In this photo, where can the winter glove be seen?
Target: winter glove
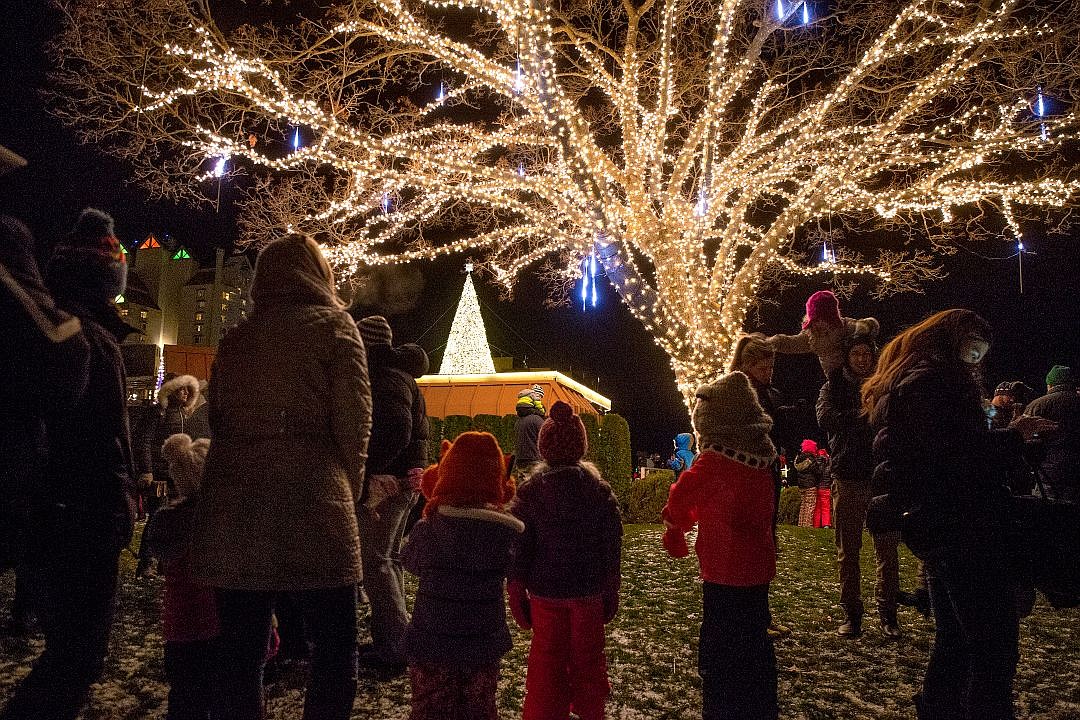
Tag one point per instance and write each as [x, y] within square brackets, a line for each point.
[675, 543]
[519, 604]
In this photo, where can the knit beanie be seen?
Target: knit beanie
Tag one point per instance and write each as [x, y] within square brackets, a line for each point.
[472, 472]
[89, 262]
[728, 418]
[750, 349]
[1060, 375]
[809, 446]
[562, 436]
[822, 306]
[374, 330]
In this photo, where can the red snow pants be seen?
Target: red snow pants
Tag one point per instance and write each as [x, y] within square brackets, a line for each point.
[567, 669]
[823, 509]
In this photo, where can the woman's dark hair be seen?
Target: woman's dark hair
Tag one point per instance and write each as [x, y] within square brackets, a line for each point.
[938, 338]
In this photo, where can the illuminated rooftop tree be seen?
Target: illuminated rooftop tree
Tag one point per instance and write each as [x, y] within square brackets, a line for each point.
[702, 149]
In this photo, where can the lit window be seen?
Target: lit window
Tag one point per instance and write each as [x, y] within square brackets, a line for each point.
[123, 312]
[200, 293]
[142, 314]
[198, 328]
[198, 316]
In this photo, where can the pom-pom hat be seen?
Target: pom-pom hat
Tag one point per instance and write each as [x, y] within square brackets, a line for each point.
[473, 472]
[562, 436]
[824, 307]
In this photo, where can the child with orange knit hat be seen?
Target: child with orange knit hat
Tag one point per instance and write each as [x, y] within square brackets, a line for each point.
[461, 551]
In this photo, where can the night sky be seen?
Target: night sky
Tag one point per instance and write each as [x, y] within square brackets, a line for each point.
[603, 347]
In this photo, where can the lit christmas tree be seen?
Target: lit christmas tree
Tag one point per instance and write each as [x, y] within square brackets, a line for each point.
[467, 351]
[699, 149]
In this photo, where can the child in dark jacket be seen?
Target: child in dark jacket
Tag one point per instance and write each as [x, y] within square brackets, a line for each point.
[461, 552]
[811, 474]
[728, 493]
[189, 609]
[565, 580]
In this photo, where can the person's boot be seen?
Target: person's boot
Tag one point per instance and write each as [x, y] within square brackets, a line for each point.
[922, 601]
[890, 628]
[851, 627]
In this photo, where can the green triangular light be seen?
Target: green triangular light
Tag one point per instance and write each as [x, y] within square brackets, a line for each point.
[119, 299]
[181, 254]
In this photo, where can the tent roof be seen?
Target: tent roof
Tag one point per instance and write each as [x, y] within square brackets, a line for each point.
[496, 394]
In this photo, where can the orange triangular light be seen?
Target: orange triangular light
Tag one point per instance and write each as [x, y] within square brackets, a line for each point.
[149, 243]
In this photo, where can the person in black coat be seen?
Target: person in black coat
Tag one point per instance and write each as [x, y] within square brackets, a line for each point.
[397, 455]
[839, 413]
[937, 466]
[41, 342]
[82, 513]
[1060, 463]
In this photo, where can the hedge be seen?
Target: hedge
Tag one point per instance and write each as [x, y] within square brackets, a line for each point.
[647, 496]
[790, 499]
[609, 443]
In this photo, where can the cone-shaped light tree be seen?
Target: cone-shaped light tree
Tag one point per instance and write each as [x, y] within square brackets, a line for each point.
[467, 351]
[698, 147]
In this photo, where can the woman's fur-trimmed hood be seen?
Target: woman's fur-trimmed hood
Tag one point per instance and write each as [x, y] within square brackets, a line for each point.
[178, 382]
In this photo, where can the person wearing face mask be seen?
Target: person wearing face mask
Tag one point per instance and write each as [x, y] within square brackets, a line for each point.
[936, 466]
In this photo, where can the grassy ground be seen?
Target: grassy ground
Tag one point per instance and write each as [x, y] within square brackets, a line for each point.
[652, 648]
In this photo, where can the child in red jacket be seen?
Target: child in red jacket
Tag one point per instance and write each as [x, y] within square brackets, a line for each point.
[728, 493]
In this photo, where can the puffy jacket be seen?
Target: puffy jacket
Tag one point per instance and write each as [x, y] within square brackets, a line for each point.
[399, 426]
[527, 435]
[940, 462]
[732, 505]
[290, 414]
[86, 498]
[811, 471]
[1060, 465]
[461, 556]
[684, 456]
[839, 413]
[572, 544]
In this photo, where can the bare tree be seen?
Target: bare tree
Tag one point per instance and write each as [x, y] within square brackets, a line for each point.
[700, 148]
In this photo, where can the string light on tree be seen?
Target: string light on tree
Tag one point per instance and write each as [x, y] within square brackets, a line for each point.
[689, 153]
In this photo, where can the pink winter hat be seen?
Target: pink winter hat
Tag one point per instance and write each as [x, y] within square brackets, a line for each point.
[809, 446]
[824, 306]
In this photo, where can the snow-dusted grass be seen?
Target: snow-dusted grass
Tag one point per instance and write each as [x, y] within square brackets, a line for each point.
[652, 647]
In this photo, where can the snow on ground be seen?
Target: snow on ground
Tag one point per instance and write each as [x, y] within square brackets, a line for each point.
[652, 648]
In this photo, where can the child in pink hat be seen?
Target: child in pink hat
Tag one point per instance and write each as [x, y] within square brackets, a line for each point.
[824, 331]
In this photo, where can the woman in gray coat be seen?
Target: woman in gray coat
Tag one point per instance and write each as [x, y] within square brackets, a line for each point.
[290, 415]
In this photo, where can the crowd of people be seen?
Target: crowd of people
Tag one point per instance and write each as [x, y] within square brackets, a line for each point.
[287, 494]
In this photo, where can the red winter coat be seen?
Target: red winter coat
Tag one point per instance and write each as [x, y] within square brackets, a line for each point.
[732, 504]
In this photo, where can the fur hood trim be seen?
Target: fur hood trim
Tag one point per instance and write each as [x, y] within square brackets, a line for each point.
[542, 467]
[485, 514]
[181, 381]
